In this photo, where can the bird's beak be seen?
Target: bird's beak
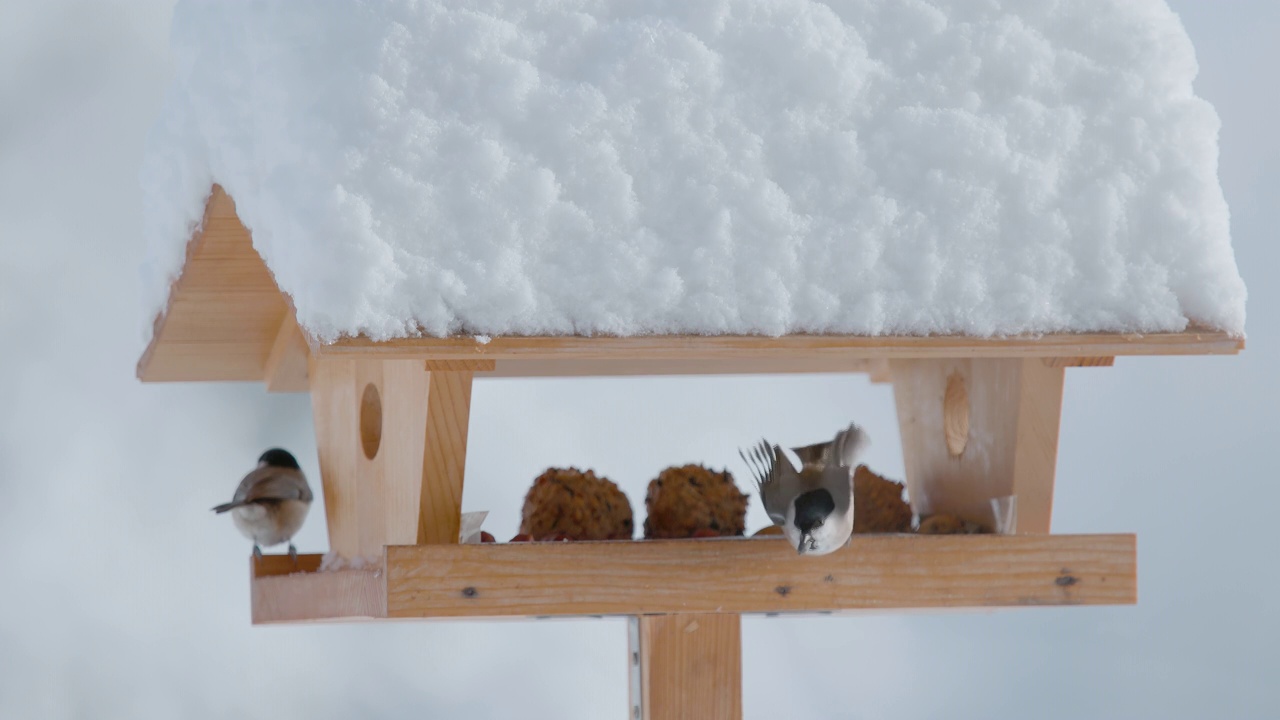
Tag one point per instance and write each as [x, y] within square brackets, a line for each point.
[806, 541]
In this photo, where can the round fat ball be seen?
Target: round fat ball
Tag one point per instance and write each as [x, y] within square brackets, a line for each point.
[690, 499]
[878, 506]
[570, 503]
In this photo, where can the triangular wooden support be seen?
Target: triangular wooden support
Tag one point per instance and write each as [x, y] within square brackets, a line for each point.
[224, 313]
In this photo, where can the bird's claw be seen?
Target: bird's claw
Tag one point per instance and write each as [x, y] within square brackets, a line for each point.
[293, 554]
[257, 552]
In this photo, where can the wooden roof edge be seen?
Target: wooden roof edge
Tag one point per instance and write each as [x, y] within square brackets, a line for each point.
[144, 360]
[224, 309]
[1193, 341]
[193, 352]
[217, 196]
[683, 355]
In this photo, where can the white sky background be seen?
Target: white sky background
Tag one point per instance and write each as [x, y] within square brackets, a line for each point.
[121, 595]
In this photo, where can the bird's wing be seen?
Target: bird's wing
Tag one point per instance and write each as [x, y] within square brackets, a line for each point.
[770, 466]
[273, 483]
[244, 488]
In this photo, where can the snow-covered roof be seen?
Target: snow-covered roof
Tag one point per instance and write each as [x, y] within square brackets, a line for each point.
[745, 166]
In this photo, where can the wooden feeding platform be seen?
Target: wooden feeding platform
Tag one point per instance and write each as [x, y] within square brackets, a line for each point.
[978, 418]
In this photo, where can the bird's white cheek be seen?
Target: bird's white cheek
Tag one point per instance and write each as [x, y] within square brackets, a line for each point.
[832, 535]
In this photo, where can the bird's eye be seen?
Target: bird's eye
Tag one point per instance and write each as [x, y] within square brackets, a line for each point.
[817, 525]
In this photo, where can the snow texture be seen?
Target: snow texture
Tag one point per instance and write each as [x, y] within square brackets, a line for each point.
[684, 166]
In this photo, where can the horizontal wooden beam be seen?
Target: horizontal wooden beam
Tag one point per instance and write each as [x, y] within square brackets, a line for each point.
[878, 369]
[470, 366]
[1066, 362]
[758, 576]
[832, 348]
[730, 575]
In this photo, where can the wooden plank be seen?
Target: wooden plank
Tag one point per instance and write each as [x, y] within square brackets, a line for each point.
[335, 412]
[371, 433]
[273, 565]
[224, 310]
[690, 667]
[1035, 451]
[283, 593]
[406, 400]
[286, 366]
[392, 441]
[879, 369]
[471, 366]
[1080, 361]
[448, 419]
[977, 429]
[831, 347]
[759, 575]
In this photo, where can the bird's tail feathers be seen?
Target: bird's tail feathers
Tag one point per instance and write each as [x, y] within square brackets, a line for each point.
[842, 451]
[816, 454]
[849, 444]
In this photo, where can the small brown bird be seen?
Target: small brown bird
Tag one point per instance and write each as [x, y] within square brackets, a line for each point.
[271, 502]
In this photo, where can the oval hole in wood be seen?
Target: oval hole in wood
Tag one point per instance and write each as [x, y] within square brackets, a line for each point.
[371, 421]
[955, 414]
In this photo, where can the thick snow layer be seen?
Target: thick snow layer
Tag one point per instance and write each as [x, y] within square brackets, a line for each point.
[680, 166]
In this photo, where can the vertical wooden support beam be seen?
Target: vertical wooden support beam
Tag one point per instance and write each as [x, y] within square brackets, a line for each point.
[1035, 458]
[406, 407]
[335, 411]
[392, 442]
[690, 666]
[444, 463]
[980, 428]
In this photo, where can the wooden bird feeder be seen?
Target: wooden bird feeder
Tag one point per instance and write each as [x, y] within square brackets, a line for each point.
[978, 418]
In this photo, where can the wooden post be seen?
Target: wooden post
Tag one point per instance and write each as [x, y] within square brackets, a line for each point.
[448, 418]
[690, 666]
[391, 437]
[974, 429]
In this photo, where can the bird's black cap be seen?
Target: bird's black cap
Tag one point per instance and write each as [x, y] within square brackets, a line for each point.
[275, 457]
[812, 508]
